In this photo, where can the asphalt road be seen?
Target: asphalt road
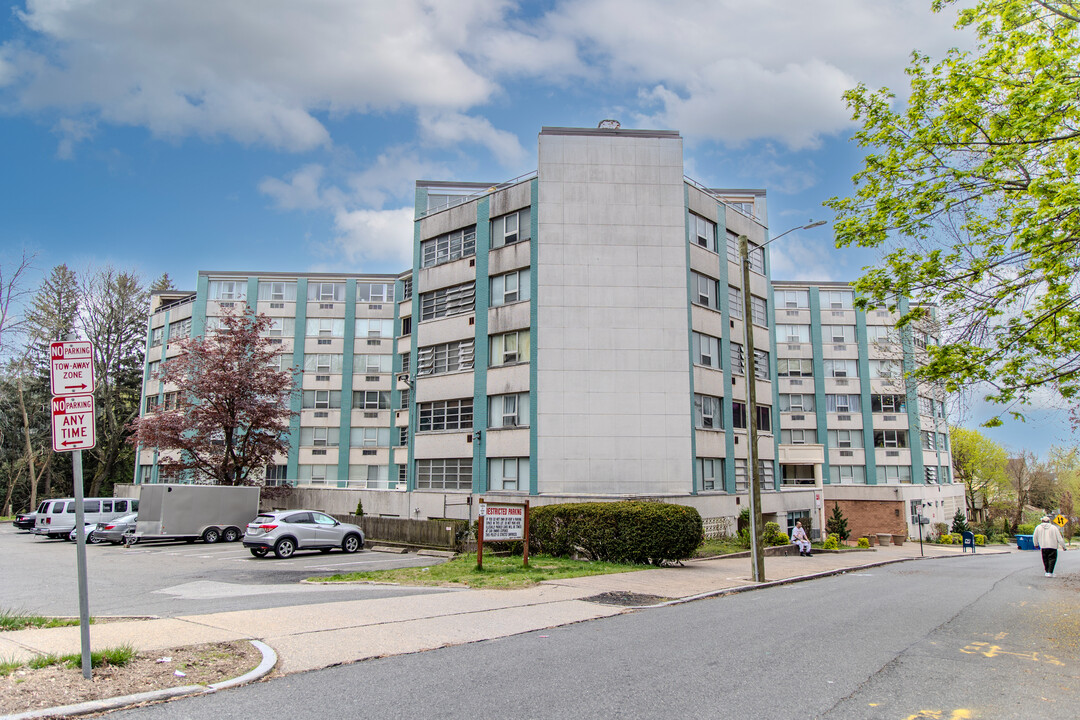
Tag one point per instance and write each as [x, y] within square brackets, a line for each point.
[168, 579]
[949, 639]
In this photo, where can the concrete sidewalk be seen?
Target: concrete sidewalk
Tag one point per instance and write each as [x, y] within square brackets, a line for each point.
[308, 637]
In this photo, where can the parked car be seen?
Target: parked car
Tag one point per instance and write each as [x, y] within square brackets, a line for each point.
[286, 531]
[56, 518]
[91, 534]
[27, 520]
[114, 530]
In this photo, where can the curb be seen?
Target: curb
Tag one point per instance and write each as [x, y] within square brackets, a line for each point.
[269, 659]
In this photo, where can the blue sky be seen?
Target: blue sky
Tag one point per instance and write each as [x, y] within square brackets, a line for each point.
[219, 134]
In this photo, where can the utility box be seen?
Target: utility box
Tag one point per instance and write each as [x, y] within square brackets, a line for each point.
[194, 512]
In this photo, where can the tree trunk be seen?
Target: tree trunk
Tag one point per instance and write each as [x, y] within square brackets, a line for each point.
[6, 510]
[29, 449]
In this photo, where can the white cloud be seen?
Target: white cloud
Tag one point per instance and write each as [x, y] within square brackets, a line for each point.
[451, 128]
[375, 236]
[300, 192]
[71, 131]
[800, 257]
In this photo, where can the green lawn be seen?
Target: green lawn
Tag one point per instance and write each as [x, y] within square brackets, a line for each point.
[719, 546]
[18, 620]
[498, 572]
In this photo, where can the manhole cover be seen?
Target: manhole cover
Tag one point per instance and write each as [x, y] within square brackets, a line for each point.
[626, 599]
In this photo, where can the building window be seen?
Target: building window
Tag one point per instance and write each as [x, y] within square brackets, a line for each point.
[735, 302]
[759, 311]
[885, 369]
[798, 437]
[793, 333]
[322, 363]
[756, 256]
[227, 289]
[881, 334]
[761, 365]
[373, 364]
[448, 474]
[325, 327]
[275, 473]
[796, 403]
[448, 357]
[507, 411]
[404, 397]
[406, 362]
[277, 290]
[153, 369]
[157, 336]
[445, 415]
[403, 437]
[702, 232]
[706, 349]
[837, 299]
[508, 348]
[370, 477]
[448, 301]
[153, 403]
[371, 400]
[512, 228]
[793, 299]
[706, 291]
[406, 288]
[838, 333]
[171, 401]
[180, 329]
[449, 247]
[794, 367]
[849, 474]
[926, 406]
[841, 368]
[708, 413]
[374, 292]
[406, 325]
[767, 474]
[369, 437]
[326, 292]
[282, 327]
[888, 403]
[742, 482]
[281, 362]
[846, 438]
[843, 403]
[943, 442]
[319, 436]
[510, 288]
[890, 439]
[945, 477]
[738, 415]
[317, 474]
[322, 399]
[764, 418]
[508, 473]
[710, 473]
[738, 359]
[373, 328]
[893, 474]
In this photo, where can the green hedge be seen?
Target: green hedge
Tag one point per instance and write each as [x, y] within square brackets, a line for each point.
[623, 532]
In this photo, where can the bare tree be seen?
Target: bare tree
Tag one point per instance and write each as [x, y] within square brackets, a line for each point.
[12, 292]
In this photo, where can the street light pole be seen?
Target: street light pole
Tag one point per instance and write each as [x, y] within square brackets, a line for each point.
[757, 550]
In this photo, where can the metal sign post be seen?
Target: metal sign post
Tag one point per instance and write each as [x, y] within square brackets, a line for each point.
[71, 377]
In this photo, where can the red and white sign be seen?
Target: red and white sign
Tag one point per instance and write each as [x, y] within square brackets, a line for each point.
[73, 423]
[72, 369]
[503, 522]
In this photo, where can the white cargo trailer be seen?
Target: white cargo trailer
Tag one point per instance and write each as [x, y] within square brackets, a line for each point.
[193, 512]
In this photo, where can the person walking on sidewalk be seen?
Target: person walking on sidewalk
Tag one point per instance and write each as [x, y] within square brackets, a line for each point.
[1048, 538]
[798, 536]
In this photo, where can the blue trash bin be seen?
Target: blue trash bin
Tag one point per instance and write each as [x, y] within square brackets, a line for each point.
[1024, 542]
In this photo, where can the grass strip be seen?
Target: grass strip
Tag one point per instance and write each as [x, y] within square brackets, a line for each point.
[117, 656]
[19, 620]
[498, 572]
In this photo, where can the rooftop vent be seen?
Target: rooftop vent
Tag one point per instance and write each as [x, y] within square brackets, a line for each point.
[609, 125]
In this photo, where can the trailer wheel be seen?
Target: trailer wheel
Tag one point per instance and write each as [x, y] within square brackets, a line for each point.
[211, 535]
[231, 534]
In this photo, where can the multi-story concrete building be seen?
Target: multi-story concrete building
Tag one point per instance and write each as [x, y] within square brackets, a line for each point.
[578, 333]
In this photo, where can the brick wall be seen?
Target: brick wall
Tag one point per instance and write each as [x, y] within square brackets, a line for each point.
[866, 517]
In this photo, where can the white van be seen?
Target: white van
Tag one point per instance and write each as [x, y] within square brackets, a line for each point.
[58, 518]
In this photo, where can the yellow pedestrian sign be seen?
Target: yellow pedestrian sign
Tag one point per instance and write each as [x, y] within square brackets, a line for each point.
[1061, 521]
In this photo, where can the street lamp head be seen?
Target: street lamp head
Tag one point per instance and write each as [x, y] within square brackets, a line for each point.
[819, 223]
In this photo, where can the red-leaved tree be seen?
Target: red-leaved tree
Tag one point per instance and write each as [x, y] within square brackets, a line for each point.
[232, 411]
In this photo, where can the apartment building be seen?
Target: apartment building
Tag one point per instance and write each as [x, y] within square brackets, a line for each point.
[576, 334]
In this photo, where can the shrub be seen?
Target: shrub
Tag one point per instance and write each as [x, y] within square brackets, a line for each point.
[626, 532]
[980, 539]
[946, 539]
[837, 523]
[864, 542]
[833, 542]
[772, 535]
[959, 522]
[359, 508]
[1026, 529]
[744, 538]
[940, 528]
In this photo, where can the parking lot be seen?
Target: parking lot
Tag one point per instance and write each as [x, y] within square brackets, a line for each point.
[178, 578]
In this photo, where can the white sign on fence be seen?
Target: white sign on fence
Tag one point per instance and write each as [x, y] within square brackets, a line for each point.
[503, 522]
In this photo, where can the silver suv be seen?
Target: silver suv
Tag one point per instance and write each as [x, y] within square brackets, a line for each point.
[286, 531]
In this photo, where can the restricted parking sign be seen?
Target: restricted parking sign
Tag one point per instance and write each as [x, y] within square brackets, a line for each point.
[73, 423]
[71, 371]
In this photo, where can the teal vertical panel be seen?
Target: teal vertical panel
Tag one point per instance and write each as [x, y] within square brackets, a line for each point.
[864, 383]
[410, 471]
[694, 479]
[296, 401]
[821, 409]
[349, 345]
[253, 293]
[918, 472]
[142, 395]
[725, 350]
[774, 412]
[198, 313]
[534, 332]
[421, 206]
[480, 352]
